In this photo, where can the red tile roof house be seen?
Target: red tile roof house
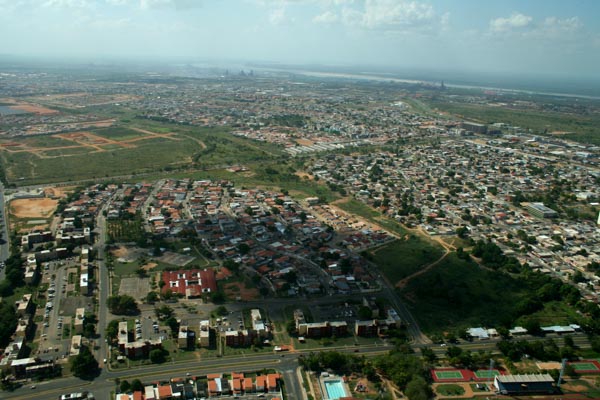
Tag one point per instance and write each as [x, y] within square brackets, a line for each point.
[190, 283]
[261, 383]
[165, 392]
[272, 382]
[248, 385]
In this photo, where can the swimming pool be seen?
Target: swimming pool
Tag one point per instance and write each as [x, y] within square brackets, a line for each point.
[335, 389]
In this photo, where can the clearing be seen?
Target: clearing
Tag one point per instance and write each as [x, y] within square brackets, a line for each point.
[33, 208]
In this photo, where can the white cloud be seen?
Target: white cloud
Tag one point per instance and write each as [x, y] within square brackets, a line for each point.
[327, 17]
[66, 3]
[562, 25]
[515, 21]
[277, 16]
[177, 4]
[393, 13]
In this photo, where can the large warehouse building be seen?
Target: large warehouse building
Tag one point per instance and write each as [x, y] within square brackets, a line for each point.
[524, 384]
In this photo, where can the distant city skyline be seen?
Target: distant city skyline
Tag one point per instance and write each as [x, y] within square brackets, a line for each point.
[547, 37]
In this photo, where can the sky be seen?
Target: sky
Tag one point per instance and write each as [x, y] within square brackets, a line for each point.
[550, 37]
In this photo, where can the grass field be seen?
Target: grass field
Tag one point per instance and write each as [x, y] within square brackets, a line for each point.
[402, 258]
[450, 390]
[457, 294]
[583, 127]
[359, 208]
[186, 147]
[125, 230]
[119, 133]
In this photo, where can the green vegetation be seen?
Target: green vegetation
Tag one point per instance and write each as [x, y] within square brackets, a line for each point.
[359, 208]
[583, 127]
[125, 230]
[450, 390]
[122, 305]
[402, 258]
[355, 207]
[84, 365]
[8, 322]
[458, 293]
[187, 147]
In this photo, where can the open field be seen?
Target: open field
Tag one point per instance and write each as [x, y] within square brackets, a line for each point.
[27, 107]
[580, 128]
[125, 150]
[80, 100]
[456, 294]
[404, 257]
[33, 208]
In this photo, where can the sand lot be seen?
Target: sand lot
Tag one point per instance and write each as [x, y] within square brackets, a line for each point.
[33, 208]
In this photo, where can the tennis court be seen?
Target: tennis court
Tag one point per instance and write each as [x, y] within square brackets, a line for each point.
[588, 366]
[441, 375]
[486, 373]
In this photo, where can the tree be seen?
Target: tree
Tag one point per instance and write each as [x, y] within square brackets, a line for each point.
[418, 389]
[112, 330]
[8, 322]
[174, 325]
[243, 248]
[124, 386]
[122, 305]
[365, 312]
[157, 356]
[221, 311]
[163, 312]
[428, 354]
[152, 297]
[137, 385]
[84, 365]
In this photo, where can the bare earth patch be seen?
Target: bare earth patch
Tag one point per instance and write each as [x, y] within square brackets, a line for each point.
[305, 142]
[548, 365]
[236, 289]
[149, 266]
[33, 208]
[574, 387]
[120, 251]
[56, 192]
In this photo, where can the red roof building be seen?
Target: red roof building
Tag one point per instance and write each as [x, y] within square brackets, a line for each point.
[190, 283]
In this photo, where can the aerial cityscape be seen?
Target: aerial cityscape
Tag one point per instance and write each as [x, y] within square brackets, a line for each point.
[299, 199]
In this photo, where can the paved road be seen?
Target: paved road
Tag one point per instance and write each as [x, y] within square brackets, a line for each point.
[287, 364]
[5, 245]
[104, 383]
[104, 288]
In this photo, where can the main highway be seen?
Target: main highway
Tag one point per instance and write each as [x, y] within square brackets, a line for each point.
[4, 238]
[286, 363]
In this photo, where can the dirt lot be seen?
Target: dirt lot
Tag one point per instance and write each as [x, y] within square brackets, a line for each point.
[149, 266]
[57, 193]
[137, 288]
[33, 108]
[548, 365]
[236, 289]
[33, 208]
[305, 142]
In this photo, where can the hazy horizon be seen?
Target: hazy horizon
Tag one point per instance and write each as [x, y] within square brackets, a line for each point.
[549, 38]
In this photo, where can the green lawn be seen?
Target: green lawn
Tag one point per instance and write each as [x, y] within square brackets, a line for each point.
[402, 258]
[190, 147]
[457, 294]
[584, 128]
[450, 390]
[118, 133]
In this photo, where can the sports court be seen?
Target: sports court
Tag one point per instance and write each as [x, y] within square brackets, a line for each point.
[443, 375]
[486, 373]
[463, 375]
[586, 366]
